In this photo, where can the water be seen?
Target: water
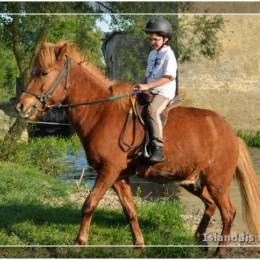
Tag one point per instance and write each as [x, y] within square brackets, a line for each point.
[75, 164]
[150, 190]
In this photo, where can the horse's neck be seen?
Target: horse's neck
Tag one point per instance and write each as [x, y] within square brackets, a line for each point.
[84, 88]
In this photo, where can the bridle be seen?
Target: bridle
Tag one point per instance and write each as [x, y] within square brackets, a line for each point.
[65, 73]
[44, 97]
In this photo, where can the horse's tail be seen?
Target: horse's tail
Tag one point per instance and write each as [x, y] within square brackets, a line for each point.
[249, 189]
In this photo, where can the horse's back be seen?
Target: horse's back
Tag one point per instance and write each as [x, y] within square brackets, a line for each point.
[191, 120]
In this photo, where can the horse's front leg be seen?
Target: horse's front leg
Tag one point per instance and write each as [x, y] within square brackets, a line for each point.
[105, 179]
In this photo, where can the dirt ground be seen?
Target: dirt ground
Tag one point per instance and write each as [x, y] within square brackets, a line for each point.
[193, 213]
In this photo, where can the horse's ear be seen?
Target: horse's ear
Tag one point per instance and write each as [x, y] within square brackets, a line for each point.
[60, 51]
[44, 44]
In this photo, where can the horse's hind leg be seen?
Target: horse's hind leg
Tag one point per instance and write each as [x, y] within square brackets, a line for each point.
[228, 213]
[210, 208]
[123, 190]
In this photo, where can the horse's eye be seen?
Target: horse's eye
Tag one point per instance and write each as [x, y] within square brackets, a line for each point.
[44, 73]
[39, 73]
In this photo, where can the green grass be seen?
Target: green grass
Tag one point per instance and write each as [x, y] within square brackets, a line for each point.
[35, 209]
[251, 139]
[5, 94]
[43, 153]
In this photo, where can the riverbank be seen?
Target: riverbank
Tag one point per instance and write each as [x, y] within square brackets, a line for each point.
[240, 237]
[43, 153]
[37, 209]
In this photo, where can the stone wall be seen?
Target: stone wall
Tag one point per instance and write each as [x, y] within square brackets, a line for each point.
[7, 119]
[125, 56]
[111, 46]
[6, 123]
[230, 84]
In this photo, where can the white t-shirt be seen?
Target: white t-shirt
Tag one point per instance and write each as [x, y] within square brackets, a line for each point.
[161, 63]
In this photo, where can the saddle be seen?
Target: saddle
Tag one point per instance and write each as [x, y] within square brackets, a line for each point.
[143, 100]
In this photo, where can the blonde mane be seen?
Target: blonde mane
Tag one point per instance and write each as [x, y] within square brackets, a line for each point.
[46, 59]
[119, 89]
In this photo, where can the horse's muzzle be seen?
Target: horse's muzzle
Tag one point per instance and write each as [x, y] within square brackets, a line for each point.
[27, 113]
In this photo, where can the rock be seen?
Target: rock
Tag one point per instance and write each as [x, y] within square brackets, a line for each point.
[10, 123]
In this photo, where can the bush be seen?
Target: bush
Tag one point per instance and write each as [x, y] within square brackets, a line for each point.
[251, 139]
[44, 153]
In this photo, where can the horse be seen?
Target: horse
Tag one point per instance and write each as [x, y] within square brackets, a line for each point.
[200, 145]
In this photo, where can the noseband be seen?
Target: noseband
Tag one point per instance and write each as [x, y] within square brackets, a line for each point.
[64, 73]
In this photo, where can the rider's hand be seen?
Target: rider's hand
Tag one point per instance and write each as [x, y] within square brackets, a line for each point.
[141, 87]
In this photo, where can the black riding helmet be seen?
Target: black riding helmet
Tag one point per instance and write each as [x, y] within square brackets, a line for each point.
[159, 25]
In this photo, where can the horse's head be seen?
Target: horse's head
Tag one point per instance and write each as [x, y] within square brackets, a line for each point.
[48, 83]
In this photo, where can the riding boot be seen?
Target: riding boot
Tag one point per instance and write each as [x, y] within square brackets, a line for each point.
[157, 154]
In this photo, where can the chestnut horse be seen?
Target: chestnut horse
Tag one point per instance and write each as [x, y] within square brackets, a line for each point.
[200, 146]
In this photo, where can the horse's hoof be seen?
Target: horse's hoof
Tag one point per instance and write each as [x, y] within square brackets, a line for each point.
[80, 242]
[139, 244]
[139, 241]
[204, 248]
[139, 248]
[202, 243]
[221, 252]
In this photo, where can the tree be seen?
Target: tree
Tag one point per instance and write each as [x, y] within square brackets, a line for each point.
[192, 36]
[8, 72]
[24, 33]
[21, 34]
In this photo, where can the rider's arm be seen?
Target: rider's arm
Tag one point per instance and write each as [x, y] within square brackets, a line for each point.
[153, 84]
[159, 82]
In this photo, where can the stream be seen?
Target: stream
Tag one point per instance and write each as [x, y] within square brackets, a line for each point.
[150, 190]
